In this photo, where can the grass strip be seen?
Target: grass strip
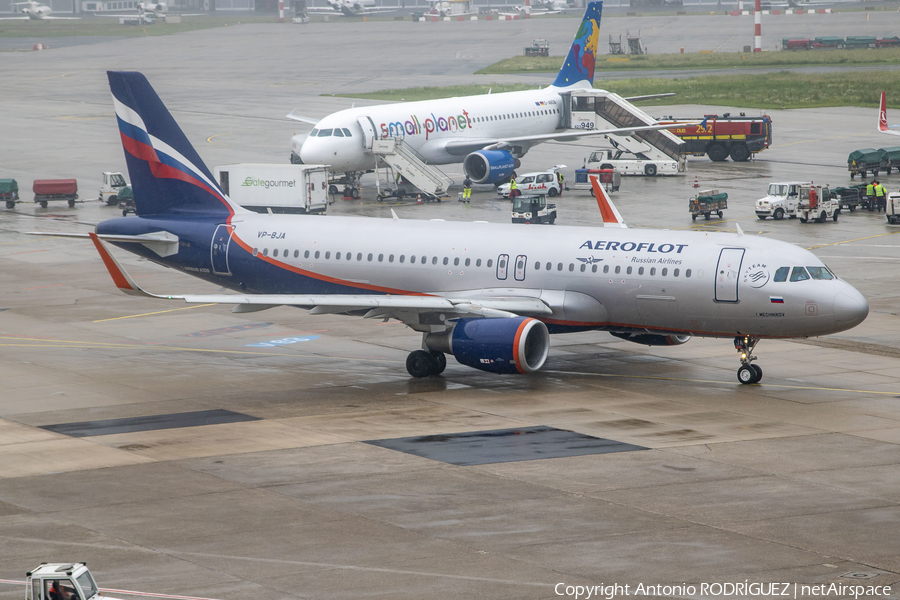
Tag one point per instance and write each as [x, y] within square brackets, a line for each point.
[712, 60]
[768, 91]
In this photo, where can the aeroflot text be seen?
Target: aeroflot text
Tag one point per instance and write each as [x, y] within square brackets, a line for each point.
[634, 246]
[744, 588]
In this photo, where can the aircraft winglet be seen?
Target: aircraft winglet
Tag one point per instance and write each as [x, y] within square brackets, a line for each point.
[611, 216]
[118, 274]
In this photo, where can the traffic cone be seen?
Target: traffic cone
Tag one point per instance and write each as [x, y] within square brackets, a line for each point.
[696, 183]
[418, 198]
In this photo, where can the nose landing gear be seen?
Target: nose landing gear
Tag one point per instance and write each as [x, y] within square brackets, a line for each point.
[748, 372]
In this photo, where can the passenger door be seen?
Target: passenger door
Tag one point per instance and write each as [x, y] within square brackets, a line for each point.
[219, 250]
[370, 134]
[727, 272]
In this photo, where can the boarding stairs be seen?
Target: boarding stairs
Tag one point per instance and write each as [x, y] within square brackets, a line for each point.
[592, 109]
[407, 163]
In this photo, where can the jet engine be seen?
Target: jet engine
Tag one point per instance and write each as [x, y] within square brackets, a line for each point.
[652, 339]
[502, 345]
[490, 166]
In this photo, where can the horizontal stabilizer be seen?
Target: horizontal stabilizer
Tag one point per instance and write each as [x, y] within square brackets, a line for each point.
[162, 243]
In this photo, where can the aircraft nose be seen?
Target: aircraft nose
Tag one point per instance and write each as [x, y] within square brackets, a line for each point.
[850, 308]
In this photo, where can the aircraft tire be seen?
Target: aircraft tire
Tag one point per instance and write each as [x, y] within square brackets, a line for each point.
[759, 372]
[420, 363]
[441, 363]
[779, 214]
[746, 374]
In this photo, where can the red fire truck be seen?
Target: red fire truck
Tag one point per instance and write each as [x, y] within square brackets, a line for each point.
[721, 137]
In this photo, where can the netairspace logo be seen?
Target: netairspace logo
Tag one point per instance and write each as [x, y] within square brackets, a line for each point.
[269, 183]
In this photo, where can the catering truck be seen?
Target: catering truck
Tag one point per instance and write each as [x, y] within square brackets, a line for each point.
[276, 188]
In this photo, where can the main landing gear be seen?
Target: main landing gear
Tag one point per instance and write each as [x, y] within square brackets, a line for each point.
[748, 372]
[421, 363]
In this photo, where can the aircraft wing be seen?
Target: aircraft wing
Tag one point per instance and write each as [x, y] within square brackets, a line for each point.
[464, 146]
[14, 18]
[407, 308]
[650, 97]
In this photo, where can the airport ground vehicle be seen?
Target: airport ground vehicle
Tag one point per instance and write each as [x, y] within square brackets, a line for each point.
[867, 160]
[538, 47]
[109, 187]
[276, 188]
[61, 581]
[892, 208]
[720, 137]
[706, 203]
[610, 178]
[48, 190]
[126, 200]
[543, 182]
[630, 163]
[781, 200]
[892, 154]
[533, 209]
[851, 197]
[9, 192]
[816, 204]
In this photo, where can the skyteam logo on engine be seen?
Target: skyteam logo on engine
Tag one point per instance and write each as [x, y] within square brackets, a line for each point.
[756, 275]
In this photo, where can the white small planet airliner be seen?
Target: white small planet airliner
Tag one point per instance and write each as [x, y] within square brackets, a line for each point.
[488, 294]
[488, 133]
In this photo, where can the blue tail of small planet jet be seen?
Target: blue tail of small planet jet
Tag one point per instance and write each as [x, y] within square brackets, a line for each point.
[167, 175]
[579, 64]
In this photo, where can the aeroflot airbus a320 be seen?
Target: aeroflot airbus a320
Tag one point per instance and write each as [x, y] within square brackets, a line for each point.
[489, 294]
[488, 133]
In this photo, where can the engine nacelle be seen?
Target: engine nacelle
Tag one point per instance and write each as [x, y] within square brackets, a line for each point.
[652, 339]
[490, 166]
[502, 345]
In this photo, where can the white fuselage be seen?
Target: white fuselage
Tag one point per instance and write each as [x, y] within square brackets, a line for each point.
[713, 284]
[428, 126]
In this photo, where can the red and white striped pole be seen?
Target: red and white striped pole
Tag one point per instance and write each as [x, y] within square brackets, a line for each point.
[757, 24]
[281, 10]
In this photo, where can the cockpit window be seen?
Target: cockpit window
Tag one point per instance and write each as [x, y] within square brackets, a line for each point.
[338, 132]
[819, 273]
[781, 274]
[799, 274]
[314, 133]
[346, 132]
[324, 133]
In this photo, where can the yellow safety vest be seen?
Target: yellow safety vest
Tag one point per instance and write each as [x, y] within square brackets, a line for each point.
[879, 190]
[513, 185]
[870, 190]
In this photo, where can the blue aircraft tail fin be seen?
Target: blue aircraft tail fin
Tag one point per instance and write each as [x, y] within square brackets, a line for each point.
[579, 64]
[167, 175]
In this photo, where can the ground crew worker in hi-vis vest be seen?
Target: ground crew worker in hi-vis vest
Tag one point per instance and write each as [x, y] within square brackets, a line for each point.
[870, 196]
[467, 189]
[513, 188]
[880, 193]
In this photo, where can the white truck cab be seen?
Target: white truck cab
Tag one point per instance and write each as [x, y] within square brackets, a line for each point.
[781, 199]
[62, 581]
[110, 186]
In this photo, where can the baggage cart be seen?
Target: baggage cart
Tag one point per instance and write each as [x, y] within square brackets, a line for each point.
[50, 190]
[706, 203]
[610, 178]
[9, 192]
[126, 200]
[866, 160]
[851, 197]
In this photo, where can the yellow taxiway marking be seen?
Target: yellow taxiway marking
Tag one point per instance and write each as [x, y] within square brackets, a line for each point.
[868, 237]
[209, 140]
[158, 312]
[764, 385]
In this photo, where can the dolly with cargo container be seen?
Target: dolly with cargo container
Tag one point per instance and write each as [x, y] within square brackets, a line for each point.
[49, 190]
[262, 188]
[610, 178]
[706, 203]
[867, 160]
[9, 192]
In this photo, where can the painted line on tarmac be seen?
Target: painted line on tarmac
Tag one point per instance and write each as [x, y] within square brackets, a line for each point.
[209, 140]
[868, 237]
[127, 592]
[763, 385]
[123, 346]
[158, 312]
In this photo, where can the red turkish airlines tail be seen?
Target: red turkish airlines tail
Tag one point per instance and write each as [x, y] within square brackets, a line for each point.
[883, 126]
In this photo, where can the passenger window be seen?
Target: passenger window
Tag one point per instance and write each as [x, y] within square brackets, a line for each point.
[571, 267]
[265, 251]
[468, 261]
[799, 274]
[381, 258]
[606, 268]
[296, 253]
[369, 257]
[275, 252]
[402, 258]
[652, 270]
[640, 270]
[349, 256]
[456, 262]
[584, 266]
[336, 256]
[537, 266]
[412, 259]
[478, 263]
[781, 274]
[359, 256]
[490, 263]
[391, 258]
[434, 260]
[687, 273]
[549, 266]
[324, 133]
[328, 254]
[628, 271]
[618, 269]
[664, 272]
[446, 260]
[593, 268]
[559, 267]
[819, 273]
[675, 273]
